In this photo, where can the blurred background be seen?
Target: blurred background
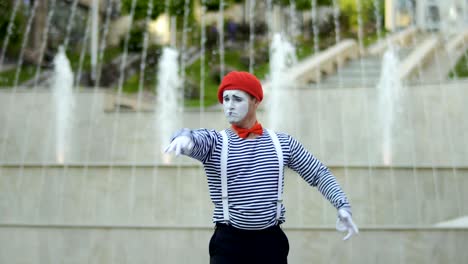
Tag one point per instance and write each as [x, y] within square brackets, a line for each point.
[92, 90]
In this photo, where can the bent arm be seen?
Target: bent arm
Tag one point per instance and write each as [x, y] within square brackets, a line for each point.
[317, 175]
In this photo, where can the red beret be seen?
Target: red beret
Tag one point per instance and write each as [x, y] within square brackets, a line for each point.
[244, 81]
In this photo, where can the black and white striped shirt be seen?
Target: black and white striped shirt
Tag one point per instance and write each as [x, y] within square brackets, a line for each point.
[252, 175]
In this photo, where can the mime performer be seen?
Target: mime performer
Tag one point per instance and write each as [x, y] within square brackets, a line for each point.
[244, 165]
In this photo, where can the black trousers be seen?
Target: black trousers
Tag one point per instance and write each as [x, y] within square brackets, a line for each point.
[230, 245]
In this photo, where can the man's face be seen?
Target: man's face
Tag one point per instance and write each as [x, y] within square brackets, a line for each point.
[236, 105]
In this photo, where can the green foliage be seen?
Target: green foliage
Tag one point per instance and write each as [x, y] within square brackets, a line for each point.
[213, 5]
[73, 55]
[19, 22]
[325, 2]
[210, 85]
[461, 69]
[303, 5]
[300, 4]
[176, 8]
[349, 10]
[135, 41]
[132, 84]
[141, 8]
[372, 38]
[7, 78]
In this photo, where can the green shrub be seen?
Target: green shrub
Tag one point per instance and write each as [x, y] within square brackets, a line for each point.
[135, 40]
[461, 69]
[19, 23]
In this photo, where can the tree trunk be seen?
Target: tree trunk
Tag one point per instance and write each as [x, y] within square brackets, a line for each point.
[36, 36]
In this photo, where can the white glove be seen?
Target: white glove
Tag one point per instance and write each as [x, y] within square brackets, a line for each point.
[344, 223]
[180, 145]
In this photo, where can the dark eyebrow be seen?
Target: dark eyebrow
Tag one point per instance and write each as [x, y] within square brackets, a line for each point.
[237, 97]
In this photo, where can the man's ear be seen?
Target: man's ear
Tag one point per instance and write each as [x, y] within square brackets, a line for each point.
[256, 102]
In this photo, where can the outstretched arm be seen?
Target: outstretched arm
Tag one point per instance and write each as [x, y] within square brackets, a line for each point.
[181, 143]
[198, 144]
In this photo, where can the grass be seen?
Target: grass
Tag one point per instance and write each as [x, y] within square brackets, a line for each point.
[461, 69]
[131, 85]
[7, 78]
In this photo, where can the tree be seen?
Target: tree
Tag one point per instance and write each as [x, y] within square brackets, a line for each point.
[350, 9]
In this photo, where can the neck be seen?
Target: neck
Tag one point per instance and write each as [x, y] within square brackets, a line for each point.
[247, 123]
[252, 130]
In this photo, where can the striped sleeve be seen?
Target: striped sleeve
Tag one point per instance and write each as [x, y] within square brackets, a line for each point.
[316, 174]
[204, 144]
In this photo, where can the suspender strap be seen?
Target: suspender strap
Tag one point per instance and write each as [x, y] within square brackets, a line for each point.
[224, 188]
[279, 153]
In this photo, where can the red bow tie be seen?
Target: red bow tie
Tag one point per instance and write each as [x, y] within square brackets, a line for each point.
[244, 132]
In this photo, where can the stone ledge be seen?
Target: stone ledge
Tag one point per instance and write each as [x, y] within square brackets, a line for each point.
[418, 57]
[33, 165]
[29, 245]
[401, 37]
[460, 41]
[390, 228]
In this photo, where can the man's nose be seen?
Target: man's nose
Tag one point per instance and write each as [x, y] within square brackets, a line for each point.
[229, 104]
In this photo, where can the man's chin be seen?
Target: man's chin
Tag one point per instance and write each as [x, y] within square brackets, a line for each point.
[233, 122]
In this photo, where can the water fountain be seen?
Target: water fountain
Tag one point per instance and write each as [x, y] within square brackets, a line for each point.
[168, 104]
[62, 87]
[282, 57]
[390, 92]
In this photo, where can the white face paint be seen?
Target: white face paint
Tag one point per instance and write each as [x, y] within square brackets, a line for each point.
[236, 105]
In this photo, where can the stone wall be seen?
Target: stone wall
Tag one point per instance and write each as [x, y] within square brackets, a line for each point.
[339, 126]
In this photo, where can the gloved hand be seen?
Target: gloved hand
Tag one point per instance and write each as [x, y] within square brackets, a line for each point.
[180, 145]
[344, 223]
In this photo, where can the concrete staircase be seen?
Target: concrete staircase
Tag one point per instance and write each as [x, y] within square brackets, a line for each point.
[365, 71]
[361, 72]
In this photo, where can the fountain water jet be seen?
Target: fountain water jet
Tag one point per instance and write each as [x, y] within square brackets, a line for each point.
[389, 92]
[168, 107]
[62, 86]
[282, 57]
